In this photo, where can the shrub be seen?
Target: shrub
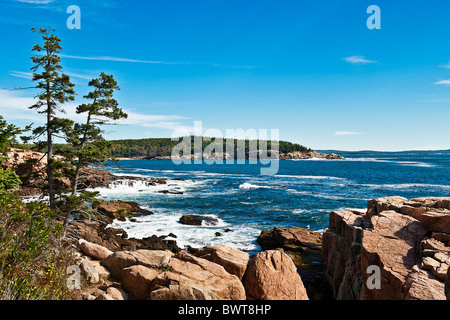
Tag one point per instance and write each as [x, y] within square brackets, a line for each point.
[33, 261]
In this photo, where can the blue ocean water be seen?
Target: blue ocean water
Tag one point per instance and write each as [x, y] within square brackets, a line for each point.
[302, 193]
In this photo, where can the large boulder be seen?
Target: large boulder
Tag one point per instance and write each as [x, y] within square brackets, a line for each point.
[138, 280]
[234, 261]
[272, 275]
[304, 247]
[93, 250]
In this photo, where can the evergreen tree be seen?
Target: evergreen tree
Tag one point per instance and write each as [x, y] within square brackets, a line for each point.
[87, 143]
[55, 89]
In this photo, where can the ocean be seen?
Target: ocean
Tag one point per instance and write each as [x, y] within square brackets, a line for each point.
[242, 202]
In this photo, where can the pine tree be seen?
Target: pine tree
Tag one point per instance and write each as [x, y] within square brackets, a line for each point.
[55, 89]
[88, 147]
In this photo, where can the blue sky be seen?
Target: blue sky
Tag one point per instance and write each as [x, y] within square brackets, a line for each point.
[311, 69]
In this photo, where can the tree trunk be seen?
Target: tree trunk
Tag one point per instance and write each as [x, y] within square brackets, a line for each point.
[51, 185]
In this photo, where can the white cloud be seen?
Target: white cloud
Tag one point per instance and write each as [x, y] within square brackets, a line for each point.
[443, 82]
[358, 60]
[347, 133]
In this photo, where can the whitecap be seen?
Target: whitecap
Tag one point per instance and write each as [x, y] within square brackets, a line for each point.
[249, 186]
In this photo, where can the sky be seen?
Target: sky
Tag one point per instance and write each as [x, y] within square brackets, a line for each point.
[312, 70]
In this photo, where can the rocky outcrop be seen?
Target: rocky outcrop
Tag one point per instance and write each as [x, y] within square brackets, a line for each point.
[272, 275]
[405, 240]
[118, 209]
[160, 275]
[98, 232]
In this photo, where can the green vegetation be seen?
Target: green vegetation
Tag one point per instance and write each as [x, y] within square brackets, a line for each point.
[33, 261]
[154, 147]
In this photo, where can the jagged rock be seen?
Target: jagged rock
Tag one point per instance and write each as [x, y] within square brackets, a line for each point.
[341, 250]
[272, 275]
[393, 235]
[421, 285]
[234, 261]
[197, 220]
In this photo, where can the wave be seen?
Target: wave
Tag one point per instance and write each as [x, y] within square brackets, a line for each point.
[249, 186]
[308, 177]
[407, 186]
[322, 195]
[402, 163]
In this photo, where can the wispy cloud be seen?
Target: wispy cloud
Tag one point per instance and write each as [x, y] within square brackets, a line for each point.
[15, 106]
[443, 82]
[446, 66]
[21, 74]
[359, 60]
[347, 133]
[29, 75]
[36, 1]
[118, 59]
[108, 58]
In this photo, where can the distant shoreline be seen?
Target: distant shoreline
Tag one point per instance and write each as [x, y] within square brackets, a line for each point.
[296, 155]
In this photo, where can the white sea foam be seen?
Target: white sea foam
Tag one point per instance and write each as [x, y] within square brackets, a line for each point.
[299, 211]
[249, 186]
[164, 222]
[132, 187]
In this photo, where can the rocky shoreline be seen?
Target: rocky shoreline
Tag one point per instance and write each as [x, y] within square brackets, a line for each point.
[408, 240]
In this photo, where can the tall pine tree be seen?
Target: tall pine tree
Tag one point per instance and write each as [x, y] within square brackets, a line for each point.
[55, 89]
[88, 147]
